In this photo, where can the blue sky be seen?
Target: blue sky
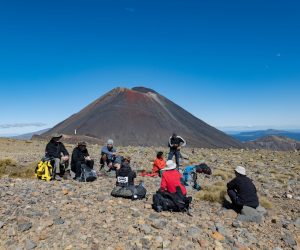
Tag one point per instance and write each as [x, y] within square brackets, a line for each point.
[230, 63]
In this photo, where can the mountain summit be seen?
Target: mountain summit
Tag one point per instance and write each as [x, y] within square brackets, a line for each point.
[141, 117]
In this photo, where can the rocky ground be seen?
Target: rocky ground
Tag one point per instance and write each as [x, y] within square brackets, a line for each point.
[71, 215]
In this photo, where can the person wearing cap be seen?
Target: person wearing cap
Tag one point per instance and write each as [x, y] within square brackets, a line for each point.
[108, 154]
[56, 149]
[175, 144]
[171, 178]
[242, 191]
[80, 156]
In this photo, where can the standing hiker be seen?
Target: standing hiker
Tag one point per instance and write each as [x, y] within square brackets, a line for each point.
[56, 149]
[175, 144]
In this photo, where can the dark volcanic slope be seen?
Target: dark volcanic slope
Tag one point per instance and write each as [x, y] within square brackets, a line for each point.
[141, 116]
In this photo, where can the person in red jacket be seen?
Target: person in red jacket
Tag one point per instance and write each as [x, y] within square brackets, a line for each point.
[158, 164]
[171, 178]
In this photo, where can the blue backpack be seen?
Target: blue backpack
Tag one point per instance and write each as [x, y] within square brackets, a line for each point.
[190, 177]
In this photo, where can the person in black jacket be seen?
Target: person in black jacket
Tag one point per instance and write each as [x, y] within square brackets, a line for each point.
[124, 174]
[242, 191]
[175, 143]
[80, 156]
[56, 149]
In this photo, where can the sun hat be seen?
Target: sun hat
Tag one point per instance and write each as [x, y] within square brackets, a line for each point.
[56, 135]
[82, 143]
[241, 170]
[170, 165]
[110, 142]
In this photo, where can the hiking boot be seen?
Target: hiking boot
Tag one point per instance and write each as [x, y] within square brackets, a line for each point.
[57, 178]
[77, 179]
[67, 175]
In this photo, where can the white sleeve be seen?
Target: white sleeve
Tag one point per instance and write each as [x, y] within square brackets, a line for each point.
[184, 142]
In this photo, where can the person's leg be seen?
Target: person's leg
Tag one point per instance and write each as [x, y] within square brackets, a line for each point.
[177, 157]
[236, 204]
[103, 160]
[57, 169]
[171, 154]
[78, 169]
[57, 165]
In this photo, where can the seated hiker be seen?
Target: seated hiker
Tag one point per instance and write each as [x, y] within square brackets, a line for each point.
[158, 165]
[125, 187]
[172, 193]
[80, 156]
[242, 191]
[190, 174]
[56, 150]
[108, 154]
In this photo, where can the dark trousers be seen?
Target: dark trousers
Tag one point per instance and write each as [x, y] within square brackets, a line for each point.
[177, 156]
[104, 159]
[78, 169]
[235, 200]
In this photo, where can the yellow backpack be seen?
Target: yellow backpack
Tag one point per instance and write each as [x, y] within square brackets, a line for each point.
[44, 170]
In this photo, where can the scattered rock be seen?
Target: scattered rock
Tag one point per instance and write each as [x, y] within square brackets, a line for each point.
[159, 224]
[194, 232]
[218, 236]
[289, 240]
[249, 214]
[24, 225]
[29, 244]
[297, 223]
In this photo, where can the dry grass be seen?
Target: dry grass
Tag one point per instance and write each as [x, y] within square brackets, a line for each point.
[10, 168]
[223, 174]
[265, 202]
[214, 193]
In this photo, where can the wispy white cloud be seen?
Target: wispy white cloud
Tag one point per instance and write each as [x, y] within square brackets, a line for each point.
[22, 125]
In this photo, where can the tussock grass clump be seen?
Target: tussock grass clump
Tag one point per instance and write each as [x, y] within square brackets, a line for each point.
[7, 162]
[9, 167]
[265, 202]
[5, 165]
[214, 193]
[222, 173]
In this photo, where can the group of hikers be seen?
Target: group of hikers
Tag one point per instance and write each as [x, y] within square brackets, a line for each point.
[172, 194]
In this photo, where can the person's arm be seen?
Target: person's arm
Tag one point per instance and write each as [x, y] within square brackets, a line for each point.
[182, 141]
[105, 150]
[64, 150]
[163, 184]
[47, 149]
[232, 184]
[170, 144]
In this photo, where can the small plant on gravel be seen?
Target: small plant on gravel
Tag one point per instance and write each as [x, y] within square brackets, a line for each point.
[265, 202]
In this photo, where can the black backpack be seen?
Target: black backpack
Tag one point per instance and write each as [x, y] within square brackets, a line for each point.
[87, 174]
[176, 202]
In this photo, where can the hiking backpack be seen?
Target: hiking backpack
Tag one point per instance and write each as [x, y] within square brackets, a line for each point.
[130, 192]
[175, 202]
[44, 169]
[87, 174]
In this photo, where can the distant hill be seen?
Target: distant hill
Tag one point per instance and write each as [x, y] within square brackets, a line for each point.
[254, 135]
[273, 142]
[29, 135]
[141, 117]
